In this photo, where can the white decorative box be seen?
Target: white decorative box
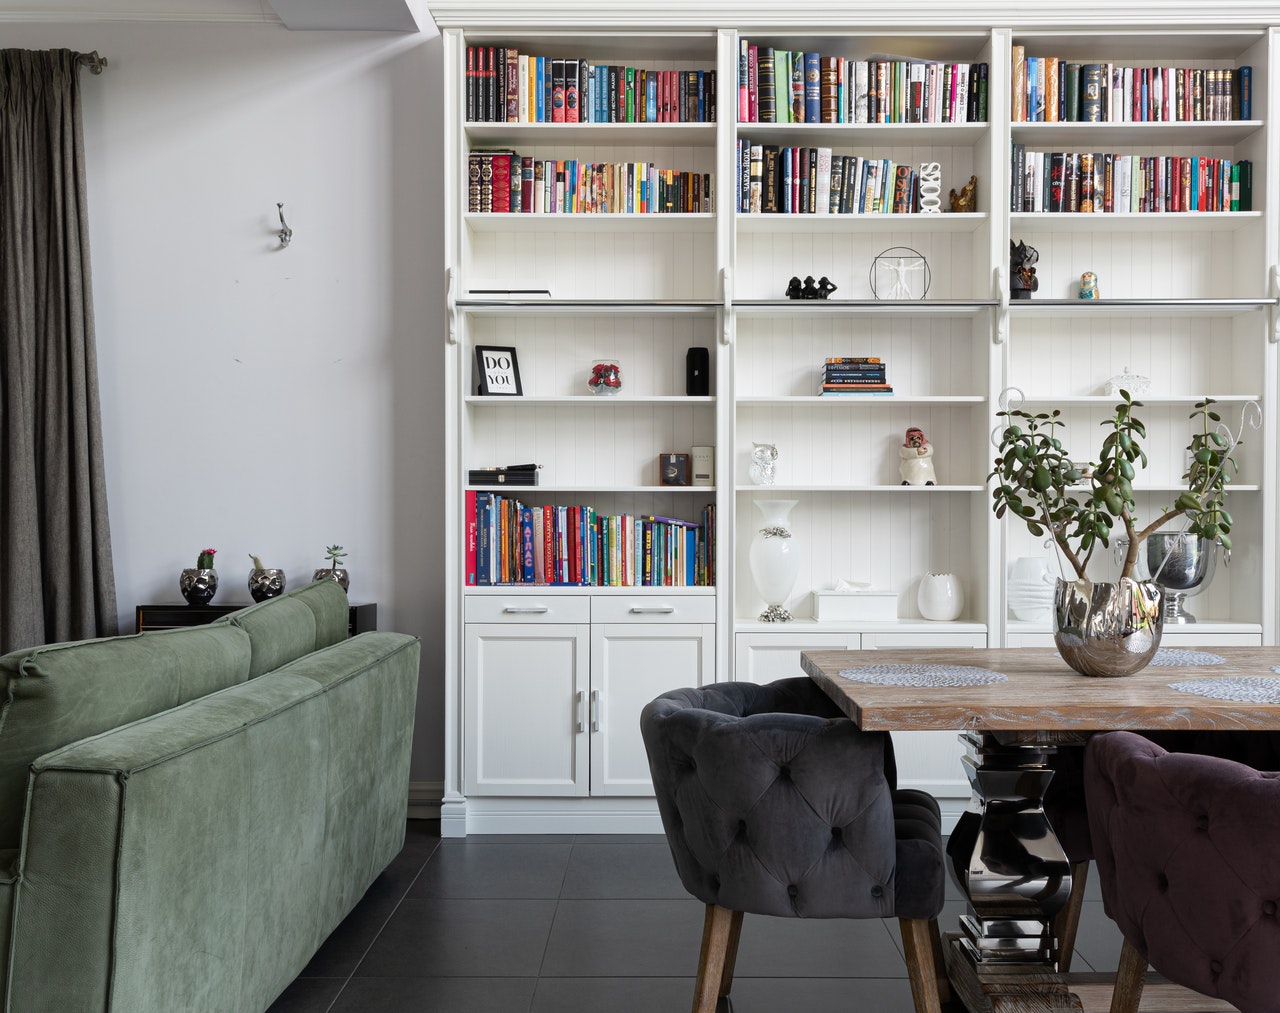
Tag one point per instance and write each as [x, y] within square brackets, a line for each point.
[846, 606]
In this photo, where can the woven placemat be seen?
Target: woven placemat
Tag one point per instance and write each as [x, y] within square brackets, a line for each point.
[922, 675]
[1174, 656]
[1247, 688]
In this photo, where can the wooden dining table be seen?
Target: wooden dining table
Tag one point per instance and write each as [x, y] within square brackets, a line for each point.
[1014, 708]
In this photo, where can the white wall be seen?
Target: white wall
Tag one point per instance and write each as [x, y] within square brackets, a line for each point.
[257, 399]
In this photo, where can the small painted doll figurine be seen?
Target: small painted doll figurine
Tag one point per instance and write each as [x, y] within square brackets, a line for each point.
[916, 464]
[1089, 286]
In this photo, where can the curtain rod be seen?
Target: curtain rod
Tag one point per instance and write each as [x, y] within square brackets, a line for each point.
[93, 61]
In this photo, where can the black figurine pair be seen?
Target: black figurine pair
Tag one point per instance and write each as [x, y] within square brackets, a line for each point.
[810, 290]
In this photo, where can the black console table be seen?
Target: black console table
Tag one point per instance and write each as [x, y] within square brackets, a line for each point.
[361, 618]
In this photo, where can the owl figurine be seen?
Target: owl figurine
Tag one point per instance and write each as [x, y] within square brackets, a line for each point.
[763, 457]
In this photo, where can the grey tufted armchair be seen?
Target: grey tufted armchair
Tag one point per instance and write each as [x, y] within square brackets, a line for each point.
[775, 803]
[1186, 847]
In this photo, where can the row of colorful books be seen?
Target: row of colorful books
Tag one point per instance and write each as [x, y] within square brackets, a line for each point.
[1102, 182]
[504, 85]
[511, 542]
[1049, 89]
[778, 85]
[506, 181]
[854, 376]
[786, 180]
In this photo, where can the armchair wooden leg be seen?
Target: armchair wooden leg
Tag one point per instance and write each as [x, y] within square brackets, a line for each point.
[920, 943]
[718, 939]
[1067, 922]
[730, 954]
[1129, 978]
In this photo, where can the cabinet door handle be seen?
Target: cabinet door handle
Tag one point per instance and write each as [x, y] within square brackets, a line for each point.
[643, 610]
[595, 710]
[525, 609]
[579, 727]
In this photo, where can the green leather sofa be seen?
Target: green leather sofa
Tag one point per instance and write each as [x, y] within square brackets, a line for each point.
[185, 815]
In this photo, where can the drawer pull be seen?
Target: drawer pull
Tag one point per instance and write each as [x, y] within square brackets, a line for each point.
[525, 610]
[595, 710]
[579, 727]
[645, 610]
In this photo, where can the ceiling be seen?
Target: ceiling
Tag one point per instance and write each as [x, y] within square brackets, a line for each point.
[300, 15]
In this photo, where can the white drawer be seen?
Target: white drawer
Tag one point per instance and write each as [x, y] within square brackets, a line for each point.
[527, 608]
[653, 608]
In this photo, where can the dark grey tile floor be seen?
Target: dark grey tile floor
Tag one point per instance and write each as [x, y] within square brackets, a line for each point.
[592, 924]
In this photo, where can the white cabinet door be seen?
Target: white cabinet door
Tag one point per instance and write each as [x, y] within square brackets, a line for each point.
[631, 664]
[526, 707]
[928, 760]
[767, 657]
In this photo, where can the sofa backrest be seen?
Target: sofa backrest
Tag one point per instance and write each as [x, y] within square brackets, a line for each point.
[57, 694]
[292, 625]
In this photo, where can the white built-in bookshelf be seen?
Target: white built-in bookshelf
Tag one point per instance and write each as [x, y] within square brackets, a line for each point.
[544, 683]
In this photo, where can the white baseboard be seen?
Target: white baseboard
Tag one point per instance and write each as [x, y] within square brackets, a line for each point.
[563, 816]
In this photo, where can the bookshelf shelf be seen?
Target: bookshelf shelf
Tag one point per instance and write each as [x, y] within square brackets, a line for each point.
[769, 309]
[893, 490]
[592, 223]
[1083, 308]
[908, 224]
[1160, 400]
[1198, 221]
[619, 402]
[841, 403]
[553, 489]
[1106, 136]
[619, 135]
[518, 307]
[847, 135]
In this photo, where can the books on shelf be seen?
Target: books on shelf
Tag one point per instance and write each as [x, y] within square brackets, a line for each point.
[1106, 182]
[859, 376]
[773, 179]
[1049, 89]
[504, 85]
[504, 181]
[778, 85]
[511, 542]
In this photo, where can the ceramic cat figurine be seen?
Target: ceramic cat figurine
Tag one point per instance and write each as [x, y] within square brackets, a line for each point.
[763, 456]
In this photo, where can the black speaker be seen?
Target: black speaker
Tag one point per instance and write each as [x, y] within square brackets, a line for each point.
[697, 372]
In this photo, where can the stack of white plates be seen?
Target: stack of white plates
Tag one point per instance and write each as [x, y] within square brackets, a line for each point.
[1031, 600]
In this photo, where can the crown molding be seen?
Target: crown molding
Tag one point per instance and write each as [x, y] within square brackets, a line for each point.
[820, 15]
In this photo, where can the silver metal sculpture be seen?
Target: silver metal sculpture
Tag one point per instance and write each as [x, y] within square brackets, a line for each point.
[285, 233]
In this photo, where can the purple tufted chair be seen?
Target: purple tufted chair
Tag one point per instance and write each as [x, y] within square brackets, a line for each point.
[1186, 847]
[775, 803]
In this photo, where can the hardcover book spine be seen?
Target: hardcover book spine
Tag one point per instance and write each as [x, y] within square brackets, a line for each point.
[557, 90]
[812, 88]
[768, 86]
[1018, 59]
[1091, 92]
[511, 87]
[797, 86]
[828, 89]
[744, 82]
[471, 537]
[571, 90]
[472, 90]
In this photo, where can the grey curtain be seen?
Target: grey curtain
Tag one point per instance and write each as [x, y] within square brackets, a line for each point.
[56, 580]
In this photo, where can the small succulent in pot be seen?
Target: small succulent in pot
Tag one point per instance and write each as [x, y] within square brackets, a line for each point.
[204, 559]
[335, 572]
[199, 583]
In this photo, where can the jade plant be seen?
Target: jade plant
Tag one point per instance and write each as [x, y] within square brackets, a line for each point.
[204, 560]
[1081, 506]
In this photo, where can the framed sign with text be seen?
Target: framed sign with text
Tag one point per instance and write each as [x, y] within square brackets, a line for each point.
[499, 371]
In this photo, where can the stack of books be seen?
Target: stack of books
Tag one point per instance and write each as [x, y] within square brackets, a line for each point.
[854, 376]
[510, 474]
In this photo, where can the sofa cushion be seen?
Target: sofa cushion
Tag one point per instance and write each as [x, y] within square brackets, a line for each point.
[292, 625]
[54, 695]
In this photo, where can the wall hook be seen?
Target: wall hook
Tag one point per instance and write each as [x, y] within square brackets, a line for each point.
[285, 233]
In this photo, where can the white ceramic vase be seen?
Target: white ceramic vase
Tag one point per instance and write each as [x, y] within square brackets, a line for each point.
[774, 557]
[941, 597]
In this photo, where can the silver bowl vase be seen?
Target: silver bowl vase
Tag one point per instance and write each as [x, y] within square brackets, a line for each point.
[1107, 628]
[265, 582]
[1182, 564]
[338, 575]
[197, 585]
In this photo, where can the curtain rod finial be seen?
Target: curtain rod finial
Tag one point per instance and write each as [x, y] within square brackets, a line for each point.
[93, 61]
